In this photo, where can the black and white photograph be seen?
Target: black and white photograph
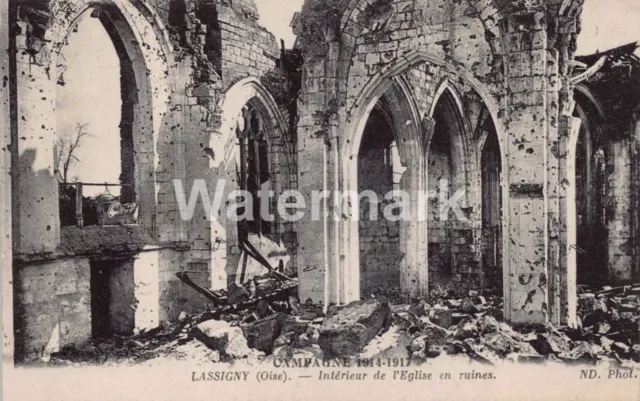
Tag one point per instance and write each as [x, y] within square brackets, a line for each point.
[320, 199]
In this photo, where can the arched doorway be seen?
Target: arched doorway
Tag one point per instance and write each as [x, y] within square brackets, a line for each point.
[379, 173]
[491, 205]
[591, 188]
[414, 279]
[452, 265]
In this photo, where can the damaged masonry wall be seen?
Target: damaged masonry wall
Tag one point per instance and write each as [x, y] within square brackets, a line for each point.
[205, 70]
[183, 57]
[512, 59]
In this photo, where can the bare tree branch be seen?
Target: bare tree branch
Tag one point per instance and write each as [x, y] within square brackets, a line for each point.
[66, 152]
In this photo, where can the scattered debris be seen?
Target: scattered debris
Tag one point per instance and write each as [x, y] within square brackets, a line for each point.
[273, 323]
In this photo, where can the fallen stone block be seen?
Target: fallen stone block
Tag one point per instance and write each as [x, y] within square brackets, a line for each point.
[436, 335]
[222, 337]
[467, 306]
[418, 357]
[302, 341]
[495, 312]
[547, 344]
[262, 334]
[393, 343]
[480, 352]
[418, 344]
[500, 343]
[586, 301]
[584, 352]
[441, 316]
[606, 343]
[313, 334]
[296, 325]
[308, 355]
[454, 347]
[525, 348]
[602, 328]
[348, 331]
[467, 328]
[456, 318]
[284, 339]
[621, 349]
[488, 324]
[433, 351]
[404, 319]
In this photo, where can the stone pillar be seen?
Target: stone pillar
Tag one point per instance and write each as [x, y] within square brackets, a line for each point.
[422, 230]
[36, 188]
[526, 244]
[313, 174]
[563, 292]
[6, 257]
[539, 269]
[619, 223]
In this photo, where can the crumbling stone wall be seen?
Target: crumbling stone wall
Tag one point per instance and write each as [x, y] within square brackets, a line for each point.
[184, 57]
[516, 56]
[53, 306]
[231, 59]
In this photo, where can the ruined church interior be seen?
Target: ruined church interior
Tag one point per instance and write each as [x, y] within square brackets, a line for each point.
[111, 253]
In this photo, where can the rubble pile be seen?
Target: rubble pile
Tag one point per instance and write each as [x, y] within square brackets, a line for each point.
[252, 322]
[609, 330]
[472, 327]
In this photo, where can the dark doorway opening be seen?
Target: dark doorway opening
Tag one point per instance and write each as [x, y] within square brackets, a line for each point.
[112, 298]
[379, 238]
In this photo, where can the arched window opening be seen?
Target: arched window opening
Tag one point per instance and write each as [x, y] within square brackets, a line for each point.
[95, 109]
[253, 169]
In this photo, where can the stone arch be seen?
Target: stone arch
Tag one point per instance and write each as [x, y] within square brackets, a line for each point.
[446, 87]
[380, 81]
[490, 15]
[44, 36]
[242, 92]
[354, 122]
[447, 95]
[145, 41]
[591, 97]
[408, 126]
[226, 149]
[586, 159]
[491, 214]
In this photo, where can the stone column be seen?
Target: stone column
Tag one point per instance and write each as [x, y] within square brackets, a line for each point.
[36, 187]
[619, 223]
[563, 291]
[539, 269]
[313, 174]
[526, 256]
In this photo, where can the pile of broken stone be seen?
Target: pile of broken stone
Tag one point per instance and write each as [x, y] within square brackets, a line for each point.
[424, 330]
